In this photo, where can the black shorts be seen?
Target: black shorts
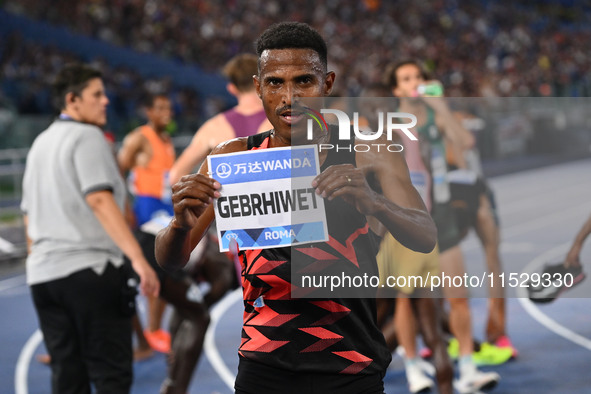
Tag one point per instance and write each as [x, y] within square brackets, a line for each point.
[468, 194]
[147, 242]
[256, 378]
[465, 200]
[446, 221]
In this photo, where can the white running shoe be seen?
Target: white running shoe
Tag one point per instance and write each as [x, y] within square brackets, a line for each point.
[418, 382]
[426, 367]
[472, 380]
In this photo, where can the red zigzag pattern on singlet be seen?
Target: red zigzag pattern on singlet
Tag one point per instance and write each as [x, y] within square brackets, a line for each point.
[269, 318]
[360, 362]
[266, 317]
[260, 267]
[257, 342]
[325, 259]
[348, 251]
[336, 312]
[327, 338]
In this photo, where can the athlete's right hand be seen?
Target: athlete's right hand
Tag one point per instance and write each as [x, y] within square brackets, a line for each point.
[191, 196]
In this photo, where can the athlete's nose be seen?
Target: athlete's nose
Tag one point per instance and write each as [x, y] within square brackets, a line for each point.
[288, 93]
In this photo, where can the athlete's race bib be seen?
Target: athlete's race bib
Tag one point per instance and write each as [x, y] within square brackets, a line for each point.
[267, 198]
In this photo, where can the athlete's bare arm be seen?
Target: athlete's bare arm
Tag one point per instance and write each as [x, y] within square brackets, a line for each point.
[449, 124]
[133, 147]
[213, 132]
[192, 199]
[399, 208]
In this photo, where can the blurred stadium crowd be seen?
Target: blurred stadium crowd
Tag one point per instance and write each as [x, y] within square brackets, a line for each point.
[481, 48]
[27, 69]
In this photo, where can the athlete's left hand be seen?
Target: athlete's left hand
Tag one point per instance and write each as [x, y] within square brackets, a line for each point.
[349, 183]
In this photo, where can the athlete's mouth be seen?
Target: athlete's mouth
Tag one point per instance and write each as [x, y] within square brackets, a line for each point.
[291, 115]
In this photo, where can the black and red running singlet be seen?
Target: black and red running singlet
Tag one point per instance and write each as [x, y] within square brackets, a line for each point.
[336, 335]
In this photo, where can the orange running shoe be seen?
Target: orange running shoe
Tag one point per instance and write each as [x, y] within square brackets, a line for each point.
[158, 340]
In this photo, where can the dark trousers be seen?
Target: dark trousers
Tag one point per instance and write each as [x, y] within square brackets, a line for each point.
[86, 325]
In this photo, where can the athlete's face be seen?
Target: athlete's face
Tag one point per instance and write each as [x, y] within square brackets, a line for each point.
[91, 105]
[284, 76]
[408, 78]
[160, 114]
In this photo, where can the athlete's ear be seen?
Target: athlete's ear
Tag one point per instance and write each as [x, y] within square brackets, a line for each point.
[329, 82]
[257, 85]
[232, 89]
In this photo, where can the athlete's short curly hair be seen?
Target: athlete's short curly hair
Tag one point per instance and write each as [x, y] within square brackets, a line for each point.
[287, 35]
[150, 98]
